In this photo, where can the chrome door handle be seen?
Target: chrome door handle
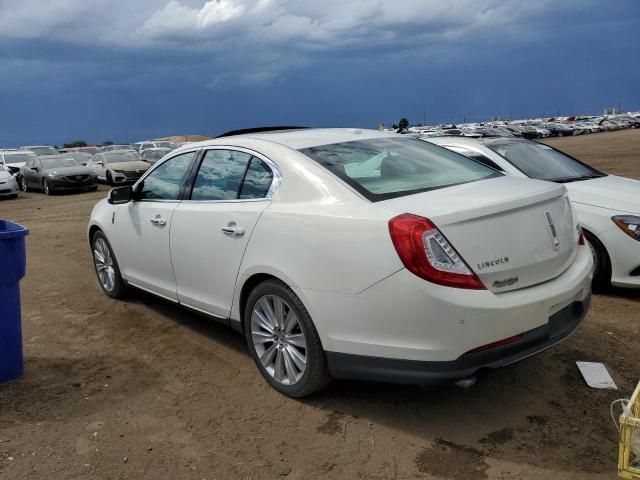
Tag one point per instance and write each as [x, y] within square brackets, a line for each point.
[161, 222]
[233, 231]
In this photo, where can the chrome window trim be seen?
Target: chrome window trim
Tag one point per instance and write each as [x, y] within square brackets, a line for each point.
[275, 170]
[195, 150]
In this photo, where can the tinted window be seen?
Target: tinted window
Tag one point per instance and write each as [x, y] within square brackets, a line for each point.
[257, 181]
[165, 181]
[220, 175]
[385, 168]
[542, 162]
[120, 157]
[478, 157]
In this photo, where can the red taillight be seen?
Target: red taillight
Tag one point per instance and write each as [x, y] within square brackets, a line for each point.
[580, 237]
[499, 343]
[425, 252]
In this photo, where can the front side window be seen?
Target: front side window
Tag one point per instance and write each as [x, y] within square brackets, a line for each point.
[542, 162]
[383, 168]
[164, 182]
[220, 175]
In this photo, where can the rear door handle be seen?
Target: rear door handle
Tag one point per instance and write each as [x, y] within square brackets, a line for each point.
[161, 222]
[233, 231]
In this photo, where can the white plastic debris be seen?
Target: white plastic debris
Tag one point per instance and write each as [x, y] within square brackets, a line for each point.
[596, 375]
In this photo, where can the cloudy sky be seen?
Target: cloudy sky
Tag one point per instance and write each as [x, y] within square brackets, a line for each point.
[125, 70]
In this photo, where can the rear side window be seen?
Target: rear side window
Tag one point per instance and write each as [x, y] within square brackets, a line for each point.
[164, 182]
[384, 168]
[257, 180]
[220, 175]
[231, 175]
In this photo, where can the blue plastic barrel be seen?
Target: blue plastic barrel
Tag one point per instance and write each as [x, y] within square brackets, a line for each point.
[13, 262]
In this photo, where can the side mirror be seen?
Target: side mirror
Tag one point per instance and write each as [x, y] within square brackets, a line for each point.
[35, 169]
[100, 163]
[120, 195]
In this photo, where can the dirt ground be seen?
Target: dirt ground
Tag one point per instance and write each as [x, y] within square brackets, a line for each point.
[145, 390]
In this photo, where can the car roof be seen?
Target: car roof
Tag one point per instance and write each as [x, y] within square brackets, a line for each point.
[301, 138]
[17, 152]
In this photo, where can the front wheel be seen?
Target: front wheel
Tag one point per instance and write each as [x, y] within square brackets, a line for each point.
[45, 187]
[283, 340]
[23, 184]
[108, 178]
[106, 267]
[601, 262]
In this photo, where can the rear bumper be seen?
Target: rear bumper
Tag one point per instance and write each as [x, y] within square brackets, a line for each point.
[360, 367]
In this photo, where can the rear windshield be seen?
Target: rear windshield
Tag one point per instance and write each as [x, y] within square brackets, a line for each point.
[42, 150]
[542, 162]
[384, 168]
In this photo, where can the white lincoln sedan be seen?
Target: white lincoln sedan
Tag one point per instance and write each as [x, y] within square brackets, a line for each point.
[608, 206]
[344, 253]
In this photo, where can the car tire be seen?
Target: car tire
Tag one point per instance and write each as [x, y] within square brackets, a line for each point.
[93, 189]
[106, 266]
[23, 184]
[277, 349]
[602, 263]
[108, 178]
[45, 187]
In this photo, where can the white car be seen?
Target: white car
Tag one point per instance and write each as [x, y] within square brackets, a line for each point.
[141, 146]
[608, 206]
[13, 160]
[351, 254]
[8, 183]
[118, 166]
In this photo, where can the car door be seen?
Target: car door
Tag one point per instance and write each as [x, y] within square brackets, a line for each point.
[25, 170]
[32, 174]
[212, 226]
[98, 164]
[143, 227]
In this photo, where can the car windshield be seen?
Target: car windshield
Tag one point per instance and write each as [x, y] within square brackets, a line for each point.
[10, 158]
[156, 154]
[59, 162]
[120, 157]
[385, 168]
[43, 150]
[165, 144]
[542, 162]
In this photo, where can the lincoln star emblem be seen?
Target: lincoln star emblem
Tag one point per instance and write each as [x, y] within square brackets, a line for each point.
[552, 229]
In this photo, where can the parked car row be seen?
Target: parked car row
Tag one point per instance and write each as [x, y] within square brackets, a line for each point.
[358, 254]
[533, 128]
[42, 167]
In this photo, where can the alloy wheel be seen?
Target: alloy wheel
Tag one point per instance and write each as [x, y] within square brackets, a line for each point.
[103, 261]
[278, 339]
[45, 186]
[23, 182]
